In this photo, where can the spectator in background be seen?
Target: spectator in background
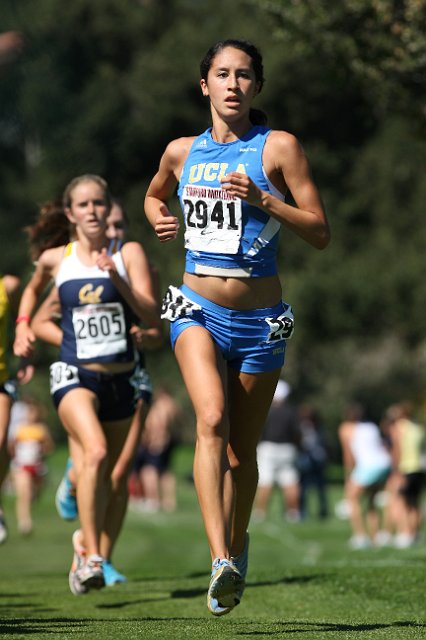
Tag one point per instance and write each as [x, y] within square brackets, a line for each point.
[408, 440]
[9, 298]
[367, 464]
[277, 455]
[29, 444]
[154, 456]
[11, 46]
[312, 460]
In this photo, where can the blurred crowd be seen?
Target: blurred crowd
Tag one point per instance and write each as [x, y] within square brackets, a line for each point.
[384, 466]
[384, 469]
[152, 481]
[293, 456]
[29, 443]
[384, 476]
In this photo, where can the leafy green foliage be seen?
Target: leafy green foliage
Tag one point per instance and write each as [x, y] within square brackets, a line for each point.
[104, 86]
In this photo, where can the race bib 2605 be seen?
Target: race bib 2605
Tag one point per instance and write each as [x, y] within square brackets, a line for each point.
[100, 330]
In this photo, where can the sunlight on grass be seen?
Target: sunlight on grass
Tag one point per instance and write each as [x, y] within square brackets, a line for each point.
[303, 580]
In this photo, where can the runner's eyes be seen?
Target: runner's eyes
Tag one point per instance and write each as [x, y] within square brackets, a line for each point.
[98, 203]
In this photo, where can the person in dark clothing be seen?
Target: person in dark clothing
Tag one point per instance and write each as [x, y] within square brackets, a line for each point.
[277, 455]
[312, 460]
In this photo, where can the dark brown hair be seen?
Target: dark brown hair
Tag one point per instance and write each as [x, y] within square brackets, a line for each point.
[256, 115]
[51, 229]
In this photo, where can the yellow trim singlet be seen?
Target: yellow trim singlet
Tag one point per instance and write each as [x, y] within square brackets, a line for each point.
[32, 431]
[412, 437]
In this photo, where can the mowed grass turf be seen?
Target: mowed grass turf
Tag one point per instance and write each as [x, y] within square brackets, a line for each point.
[303, 580]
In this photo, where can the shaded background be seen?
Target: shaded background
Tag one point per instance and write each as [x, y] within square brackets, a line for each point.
[102, 86]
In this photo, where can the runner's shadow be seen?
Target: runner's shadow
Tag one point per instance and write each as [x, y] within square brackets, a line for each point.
[188, 593]
[288, 580]
[129, 603]
[194, 593]
[298, 627]
[36, 626]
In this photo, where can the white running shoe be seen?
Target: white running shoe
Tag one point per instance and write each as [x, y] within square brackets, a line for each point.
[79, 558]
[225, 584]
[404, 541]
[91, 574]
[359, 541]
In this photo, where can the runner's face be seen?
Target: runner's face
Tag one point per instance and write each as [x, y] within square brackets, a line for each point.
[116, 226]
[231, 83]
[89, 208]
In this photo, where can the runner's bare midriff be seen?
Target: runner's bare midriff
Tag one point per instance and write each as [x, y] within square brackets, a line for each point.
[237, 293]
[109, 367]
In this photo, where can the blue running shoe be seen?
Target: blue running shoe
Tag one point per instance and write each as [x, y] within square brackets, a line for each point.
[111, 575]
[65, 499]
[225, 584]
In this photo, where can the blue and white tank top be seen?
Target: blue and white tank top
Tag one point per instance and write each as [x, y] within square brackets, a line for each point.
[224, 235]
[95, 318]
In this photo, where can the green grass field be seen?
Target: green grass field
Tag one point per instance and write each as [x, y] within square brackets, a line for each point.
[303, 581]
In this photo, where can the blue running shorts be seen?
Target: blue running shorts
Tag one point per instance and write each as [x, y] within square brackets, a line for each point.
[369, 476]
[250, 340]
[10, 388]
[143, 383]
[117, 393]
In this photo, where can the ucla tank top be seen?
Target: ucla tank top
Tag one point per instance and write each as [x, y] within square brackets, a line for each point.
[95, 317]
[224, 235]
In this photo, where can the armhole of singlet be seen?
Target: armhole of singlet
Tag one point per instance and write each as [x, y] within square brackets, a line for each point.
[115, 245]
[69, 250]
[272, 188]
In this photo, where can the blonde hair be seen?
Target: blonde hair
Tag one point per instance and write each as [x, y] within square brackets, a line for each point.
[87, 177]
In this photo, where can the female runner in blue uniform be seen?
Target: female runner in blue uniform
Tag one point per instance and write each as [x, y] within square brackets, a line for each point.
[93, 385]
[228, 323]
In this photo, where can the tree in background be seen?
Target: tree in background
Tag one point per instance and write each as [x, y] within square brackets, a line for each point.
[100, 87]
